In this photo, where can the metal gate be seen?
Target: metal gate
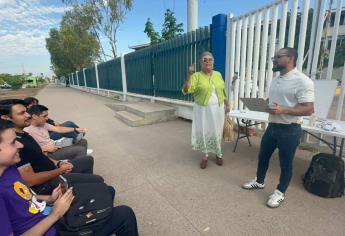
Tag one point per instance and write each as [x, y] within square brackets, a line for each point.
[253, 38]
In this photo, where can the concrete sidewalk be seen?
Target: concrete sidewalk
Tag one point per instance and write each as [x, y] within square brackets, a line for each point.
[155, 172]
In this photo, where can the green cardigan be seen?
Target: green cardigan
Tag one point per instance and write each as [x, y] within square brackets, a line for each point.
[201, 87]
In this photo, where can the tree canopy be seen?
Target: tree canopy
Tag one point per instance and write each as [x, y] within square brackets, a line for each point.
[73, 46]
[170, 28]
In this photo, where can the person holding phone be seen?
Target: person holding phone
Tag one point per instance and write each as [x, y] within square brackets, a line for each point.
[210, 102]
[63, 184]
[21, 210]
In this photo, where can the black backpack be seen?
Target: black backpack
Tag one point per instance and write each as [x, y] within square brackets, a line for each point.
[325, 176]
[90, 209]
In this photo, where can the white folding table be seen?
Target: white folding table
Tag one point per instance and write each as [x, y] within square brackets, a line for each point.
[252, 118]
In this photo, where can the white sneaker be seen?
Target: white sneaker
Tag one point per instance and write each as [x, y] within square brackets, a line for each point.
[253, 185]
[275, 199]
[89, 151]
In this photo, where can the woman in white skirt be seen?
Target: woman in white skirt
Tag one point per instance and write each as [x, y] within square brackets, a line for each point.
[210, 105]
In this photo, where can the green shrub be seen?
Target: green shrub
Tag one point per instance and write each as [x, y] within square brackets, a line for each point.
[15, 81]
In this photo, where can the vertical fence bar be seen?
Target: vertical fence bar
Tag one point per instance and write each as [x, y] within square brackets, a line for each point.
[271, 49]
[318, 38]
[85, 85]
[97, 78]
[77, 78]
[227, 55]
[313, 35]
[243, 58]
[124, 79]
[249, 63]
[282, 27]
[256, 53]
[237, 62]
[263, 54]
[292, 27]
[302, 35]
[334, 40]
[194, 47]
[232, 62]
[341, 97]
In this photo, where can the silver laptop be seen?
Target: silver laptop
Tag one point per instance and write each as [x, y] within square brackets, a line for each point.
[255, 104]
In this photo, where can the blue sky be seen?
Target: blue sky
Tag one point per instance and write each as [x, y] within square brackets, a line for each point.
[24, 25]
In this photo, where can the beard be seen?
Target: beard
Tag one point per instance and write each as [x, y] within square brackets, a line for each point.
[25, 124]
[277, 68]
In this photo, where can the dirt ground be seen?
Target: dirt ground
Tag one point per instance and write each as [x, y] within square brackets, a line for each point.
[20, 93]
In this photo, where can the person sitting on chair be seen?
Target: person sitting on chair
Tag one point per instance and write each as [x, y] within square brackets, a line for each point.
[39, 130]
[30, 101]
[23, 212]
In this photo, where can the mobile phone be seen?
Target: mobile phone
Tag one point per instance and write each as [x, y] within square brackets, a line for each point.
[63, 183]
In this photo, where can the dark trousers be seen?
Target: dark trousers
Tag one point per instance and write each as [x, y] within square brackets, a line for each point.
[72, 178]
[74, 151]
[285, 137]
[82, 164]
[70, 124]
[122, 222]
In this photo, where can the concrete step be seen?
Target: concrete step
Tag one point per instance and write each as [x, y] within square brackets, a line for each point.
[153, 111]
[118, 106]
[130, 118]
[142, 113]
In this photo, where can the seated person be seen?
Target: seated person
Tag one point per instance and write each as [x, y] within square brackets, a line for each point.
[38, 170]
[39, 131]
[30, 101]
[22, 212]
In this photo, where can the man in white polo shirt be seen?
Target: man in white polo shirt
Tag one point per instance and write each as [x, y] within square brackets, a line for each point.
[291, 96]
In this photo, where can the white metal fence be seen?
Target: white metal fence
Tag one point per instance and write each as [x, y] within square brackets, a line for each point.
[253, 38]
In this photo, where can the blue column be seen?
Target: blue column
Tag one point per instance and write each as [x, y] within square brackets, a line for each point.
[218, 41]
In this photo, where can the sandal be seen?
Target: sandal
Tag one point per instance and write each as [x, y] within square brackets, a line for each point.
[203, 164]
[219, 161]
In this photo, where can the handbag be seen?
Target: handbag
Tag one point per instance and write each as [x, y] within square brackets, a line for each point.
[229, 130]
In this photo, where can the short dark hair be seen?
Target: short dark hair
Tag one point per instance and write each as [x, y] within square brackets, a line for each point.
[7, 104]
[37, 110]
[291, 52]
[30, 100]
[4, 125]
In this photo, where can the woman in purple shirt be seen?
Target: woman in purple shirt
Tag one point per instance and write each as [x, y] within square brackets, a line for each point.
[22, 212]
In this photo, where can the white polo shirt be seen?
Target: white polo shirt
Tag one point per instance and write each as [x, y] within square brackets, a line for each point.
[288, 90]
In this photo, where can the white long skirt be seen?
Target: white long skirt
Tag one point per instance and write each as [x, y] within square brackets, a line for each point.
[207, 128]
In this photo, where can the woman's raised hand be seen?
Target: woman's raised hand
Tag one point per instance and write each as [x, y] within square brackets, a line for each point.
[191, 69]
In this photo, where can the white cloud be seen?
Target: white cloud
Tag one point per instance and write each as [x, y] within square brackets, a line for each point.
[23, 43]
[25, 24]
[5, 2]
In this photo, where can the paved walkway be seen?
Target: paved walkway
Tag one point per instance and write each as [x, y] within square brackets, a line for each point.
[155, 172]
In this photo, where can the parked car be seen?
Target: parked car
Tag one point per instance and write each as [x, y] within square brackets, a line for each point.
[5, 86]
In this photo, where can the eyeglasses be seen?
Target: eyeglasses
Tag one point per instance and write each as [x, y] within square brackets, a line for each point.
[207, 60]
[279, 56]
